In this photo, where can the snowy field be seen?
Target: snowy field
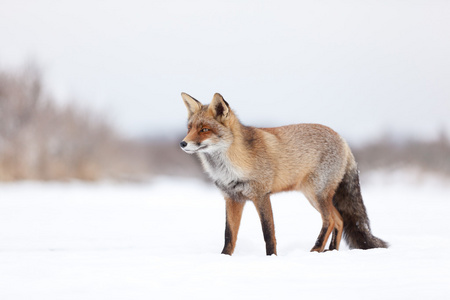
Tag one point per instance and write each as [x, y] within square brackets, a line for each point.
[162, 240]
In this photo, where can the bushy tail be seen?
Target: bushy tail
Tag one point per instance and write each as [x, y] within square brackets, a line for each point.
[348, 201]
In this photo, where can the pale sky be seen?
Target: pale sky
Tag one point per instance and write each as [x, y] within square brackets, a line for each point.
[361, 67]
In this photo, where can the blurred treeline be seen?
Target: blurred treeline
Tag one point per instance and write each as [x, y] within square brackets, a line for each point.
[41, 140]
[390, 154]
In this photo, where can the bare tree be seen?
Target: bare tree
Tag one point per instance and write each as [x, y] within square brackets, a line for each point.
[40, 140]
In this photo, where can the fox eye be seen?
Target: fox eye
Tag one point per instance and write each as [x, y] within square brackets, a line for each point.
[204, 130]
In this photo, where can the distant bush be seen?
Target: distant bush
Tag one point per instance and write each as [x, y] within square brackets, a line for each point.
[40, 140]
[166, 158]
[389, 154]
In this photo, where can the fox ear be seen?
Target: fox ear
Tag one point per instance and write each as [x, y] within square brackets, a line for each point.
[192, 105]
[219, 107]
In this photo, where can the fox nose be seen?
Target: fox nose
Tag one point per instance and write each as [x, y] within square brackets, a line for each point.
[183, 144]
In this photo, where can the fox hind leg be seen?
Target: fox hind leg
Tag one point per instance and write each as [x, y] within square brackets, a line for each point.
[322, 239]
[338, 229]
[331, 223]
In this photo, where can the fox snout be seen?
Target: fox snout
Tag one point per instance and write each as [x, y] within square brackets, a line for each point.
[185, 147]
[191, 147]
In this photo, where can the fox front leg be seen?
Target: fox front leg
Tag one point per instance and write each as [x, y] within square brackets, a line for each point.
[233, 220]
[264, 208]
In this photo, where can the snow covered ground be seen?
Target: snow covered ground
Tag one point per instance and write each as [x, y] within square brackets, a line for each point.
[162, 240]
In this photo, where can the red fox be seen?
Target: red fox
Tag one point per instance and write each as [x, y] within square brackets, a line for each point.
[249, 163]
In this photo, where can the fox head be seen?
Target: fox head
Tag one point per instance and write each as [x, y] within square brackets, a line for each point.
[209, 126]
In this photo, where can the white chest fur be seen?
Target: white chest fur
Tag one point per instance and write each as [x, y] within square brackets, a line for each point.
[219, 168]
[227, 177]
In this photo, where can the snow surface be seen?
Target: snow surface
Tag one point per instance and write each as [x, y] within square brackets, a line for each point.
[162, 240]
